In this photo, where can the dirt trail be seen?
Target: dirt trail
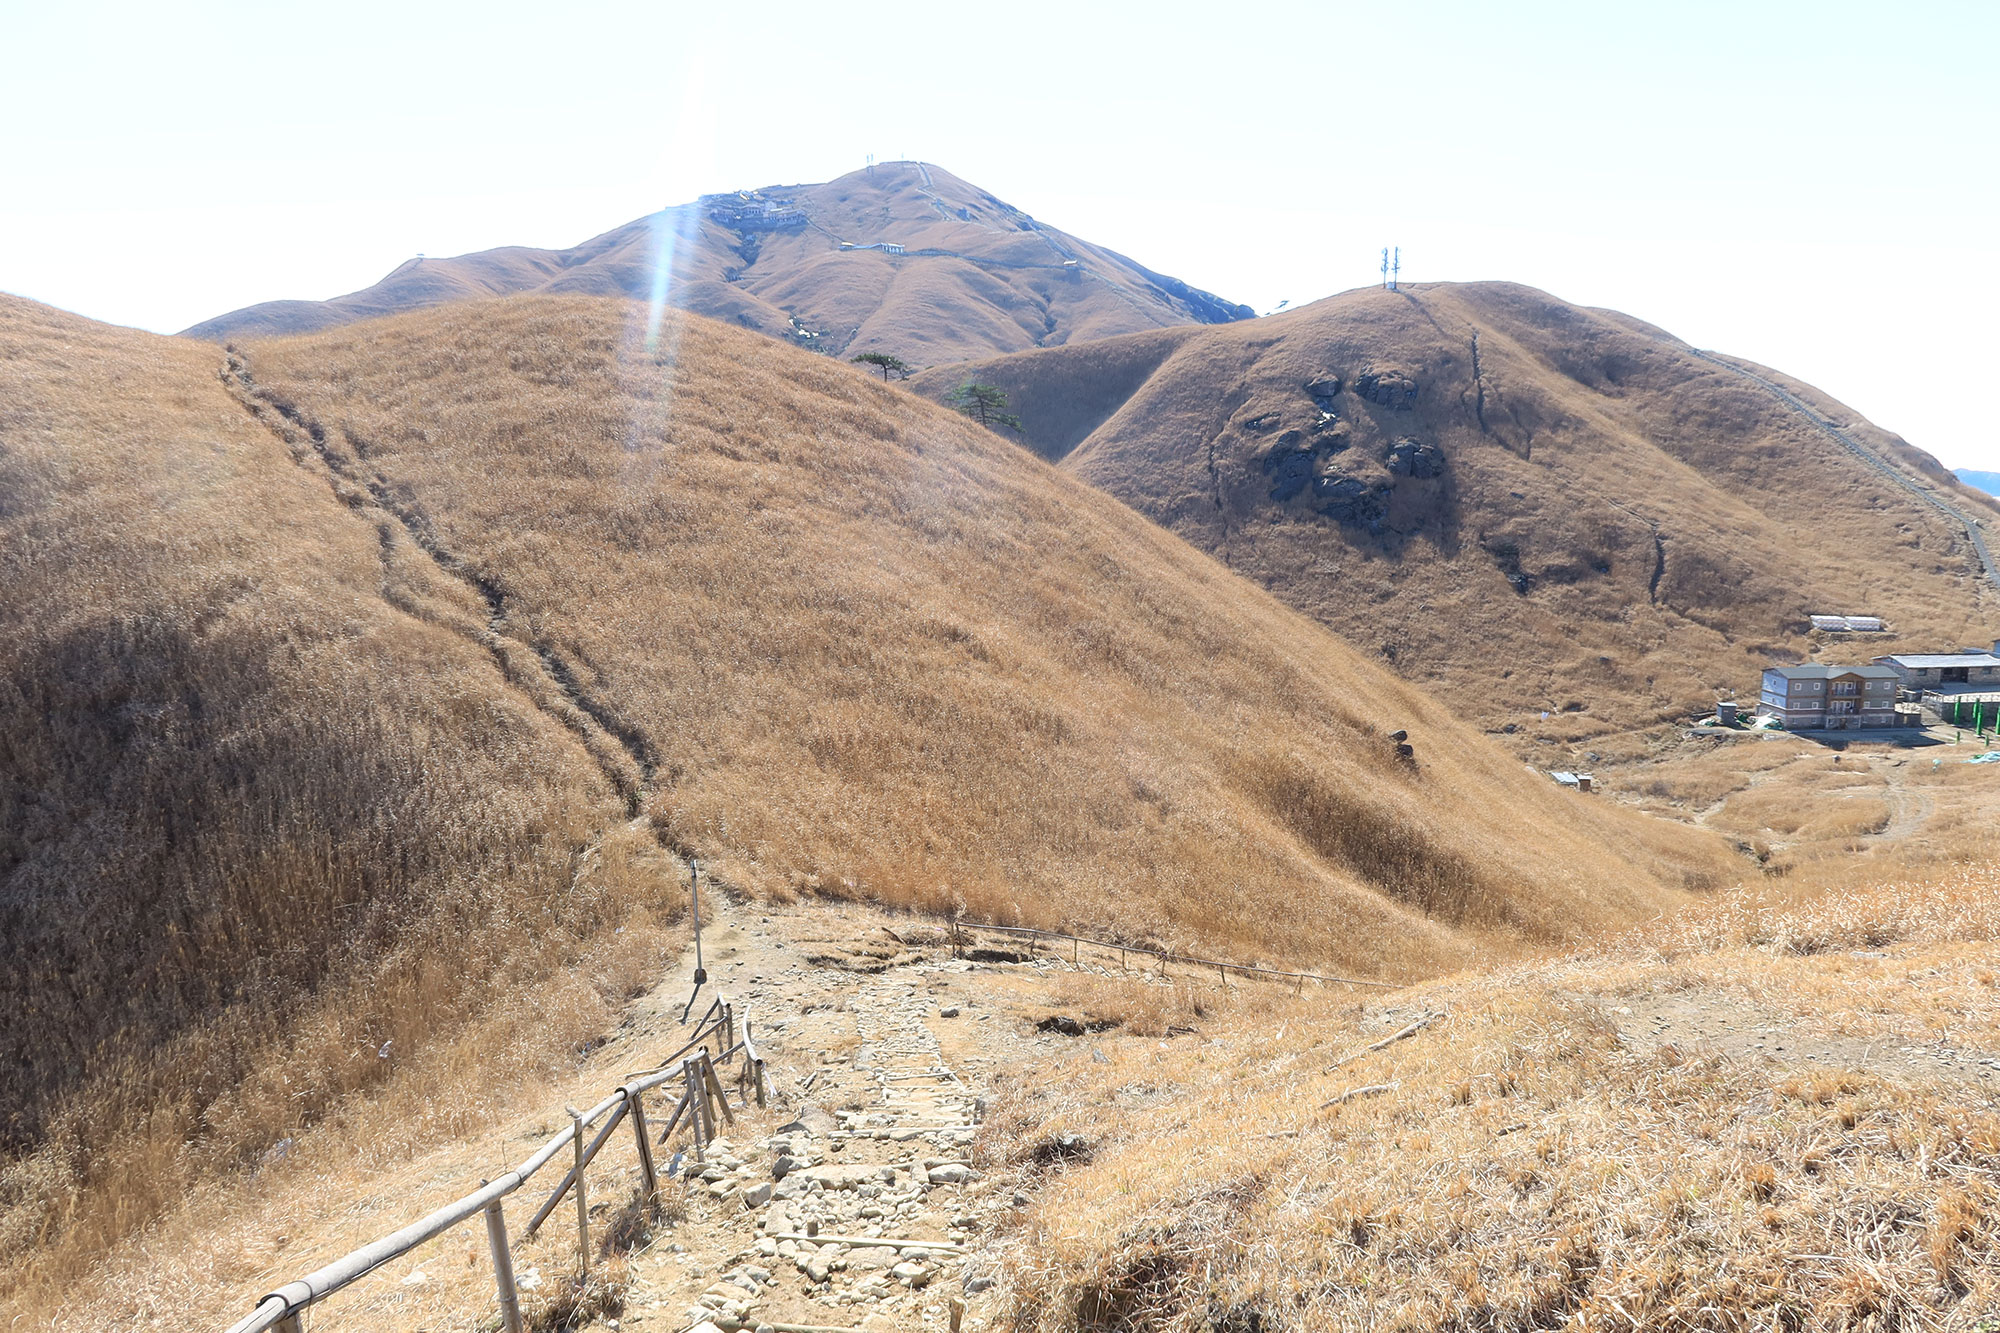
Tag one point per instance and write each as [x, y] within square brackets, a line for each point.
[532, 667]
[1917, 489]
[1705, 1021]
[852, 1202]
[1891, 775]
[883, 1052]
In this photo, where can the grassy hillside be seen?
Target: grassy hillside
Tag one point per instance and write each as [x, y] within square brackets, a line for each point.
[358, 687]
[273, 819]
[1765, 1114]
[901, 258]
[1535, 507]
[862, 646]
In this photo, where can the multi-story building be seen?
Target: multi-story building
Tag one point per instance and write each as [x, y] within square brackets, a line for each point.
[1833, 697]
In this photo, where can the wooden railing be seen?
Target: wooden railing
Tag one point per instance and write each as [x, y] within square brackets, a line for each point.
[962, 931]
[701, 1108]
[702, 1100]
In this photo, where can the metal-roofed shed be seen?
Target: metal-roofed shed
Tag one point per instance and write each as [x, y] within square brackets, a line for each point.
[1946, 672]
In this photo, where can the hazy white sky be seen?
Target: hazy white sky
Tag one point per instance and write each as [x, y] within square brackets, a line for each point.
[1809, 185]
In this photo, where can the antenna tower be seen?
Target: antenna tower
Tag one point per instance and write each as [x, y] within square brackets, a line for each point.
[871, 164]
[1385, 266]
[1396, 269]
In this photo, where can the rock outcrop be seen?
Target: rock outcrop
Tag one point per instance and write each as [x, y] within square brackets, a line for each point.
[1387, 388]
[1413, 458]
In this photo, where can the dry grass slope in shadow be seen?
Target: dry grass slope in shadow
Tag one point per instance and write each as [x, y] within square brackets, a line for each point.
[272, 824]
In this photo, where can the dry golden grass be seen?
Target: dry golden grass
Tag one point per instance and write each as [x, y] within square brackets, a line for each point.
[1767, 1114]
[265, 838]
[1673, 523]
[870, 649]
[1791, 803]
[331, 690]
[1806, 814]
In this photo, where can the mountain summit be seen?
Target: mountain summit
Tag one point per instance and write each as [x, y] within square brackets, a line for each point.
[900, 258]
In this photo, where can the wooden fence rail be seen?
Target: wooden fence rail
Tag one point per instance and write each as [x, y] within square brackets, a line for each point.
[701, 1100]
[961, 929]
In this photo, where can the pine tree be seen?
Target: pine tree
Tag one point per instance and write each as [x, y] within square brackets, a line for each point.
[984, 403]
[887, 364]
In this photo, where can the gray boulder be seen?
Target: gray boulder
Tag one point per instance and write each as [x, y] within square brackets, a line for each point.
[1387, 388]
[1414, 458]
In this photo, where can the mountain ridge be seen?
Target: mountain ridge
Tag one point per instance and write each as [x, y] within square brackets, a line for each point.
[390, 671]
[1568, 518]
[1985, 482]
[900, 258]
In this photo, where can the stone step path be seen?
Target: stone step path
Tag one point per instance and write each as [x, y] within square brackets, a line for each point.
[861, 1211]
[917, 1094]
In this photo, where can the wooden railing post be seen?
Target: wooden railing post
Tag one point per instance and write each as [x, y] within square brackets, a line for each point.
[503, 1269]
[582, 1205]
[753, 1062]
[712, 1084]
[647, 1175]
[697, 1110]
[289, 1324]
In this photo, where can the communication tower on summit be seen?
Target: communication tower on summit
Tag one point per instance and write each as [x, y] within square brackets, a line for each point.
[1392, 269]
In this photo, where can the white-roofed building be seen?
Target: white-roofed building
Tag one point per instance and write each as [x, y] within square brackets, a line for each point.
[1848, 624]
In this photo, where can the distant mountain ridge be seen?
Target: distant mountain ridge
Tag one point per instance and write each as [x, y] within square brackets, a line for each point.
[1989, 482]
[901, 258]
[1567, 520]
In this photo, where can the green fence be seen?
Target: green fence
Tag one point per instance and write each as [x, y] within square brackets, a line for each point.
[1980, 715]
